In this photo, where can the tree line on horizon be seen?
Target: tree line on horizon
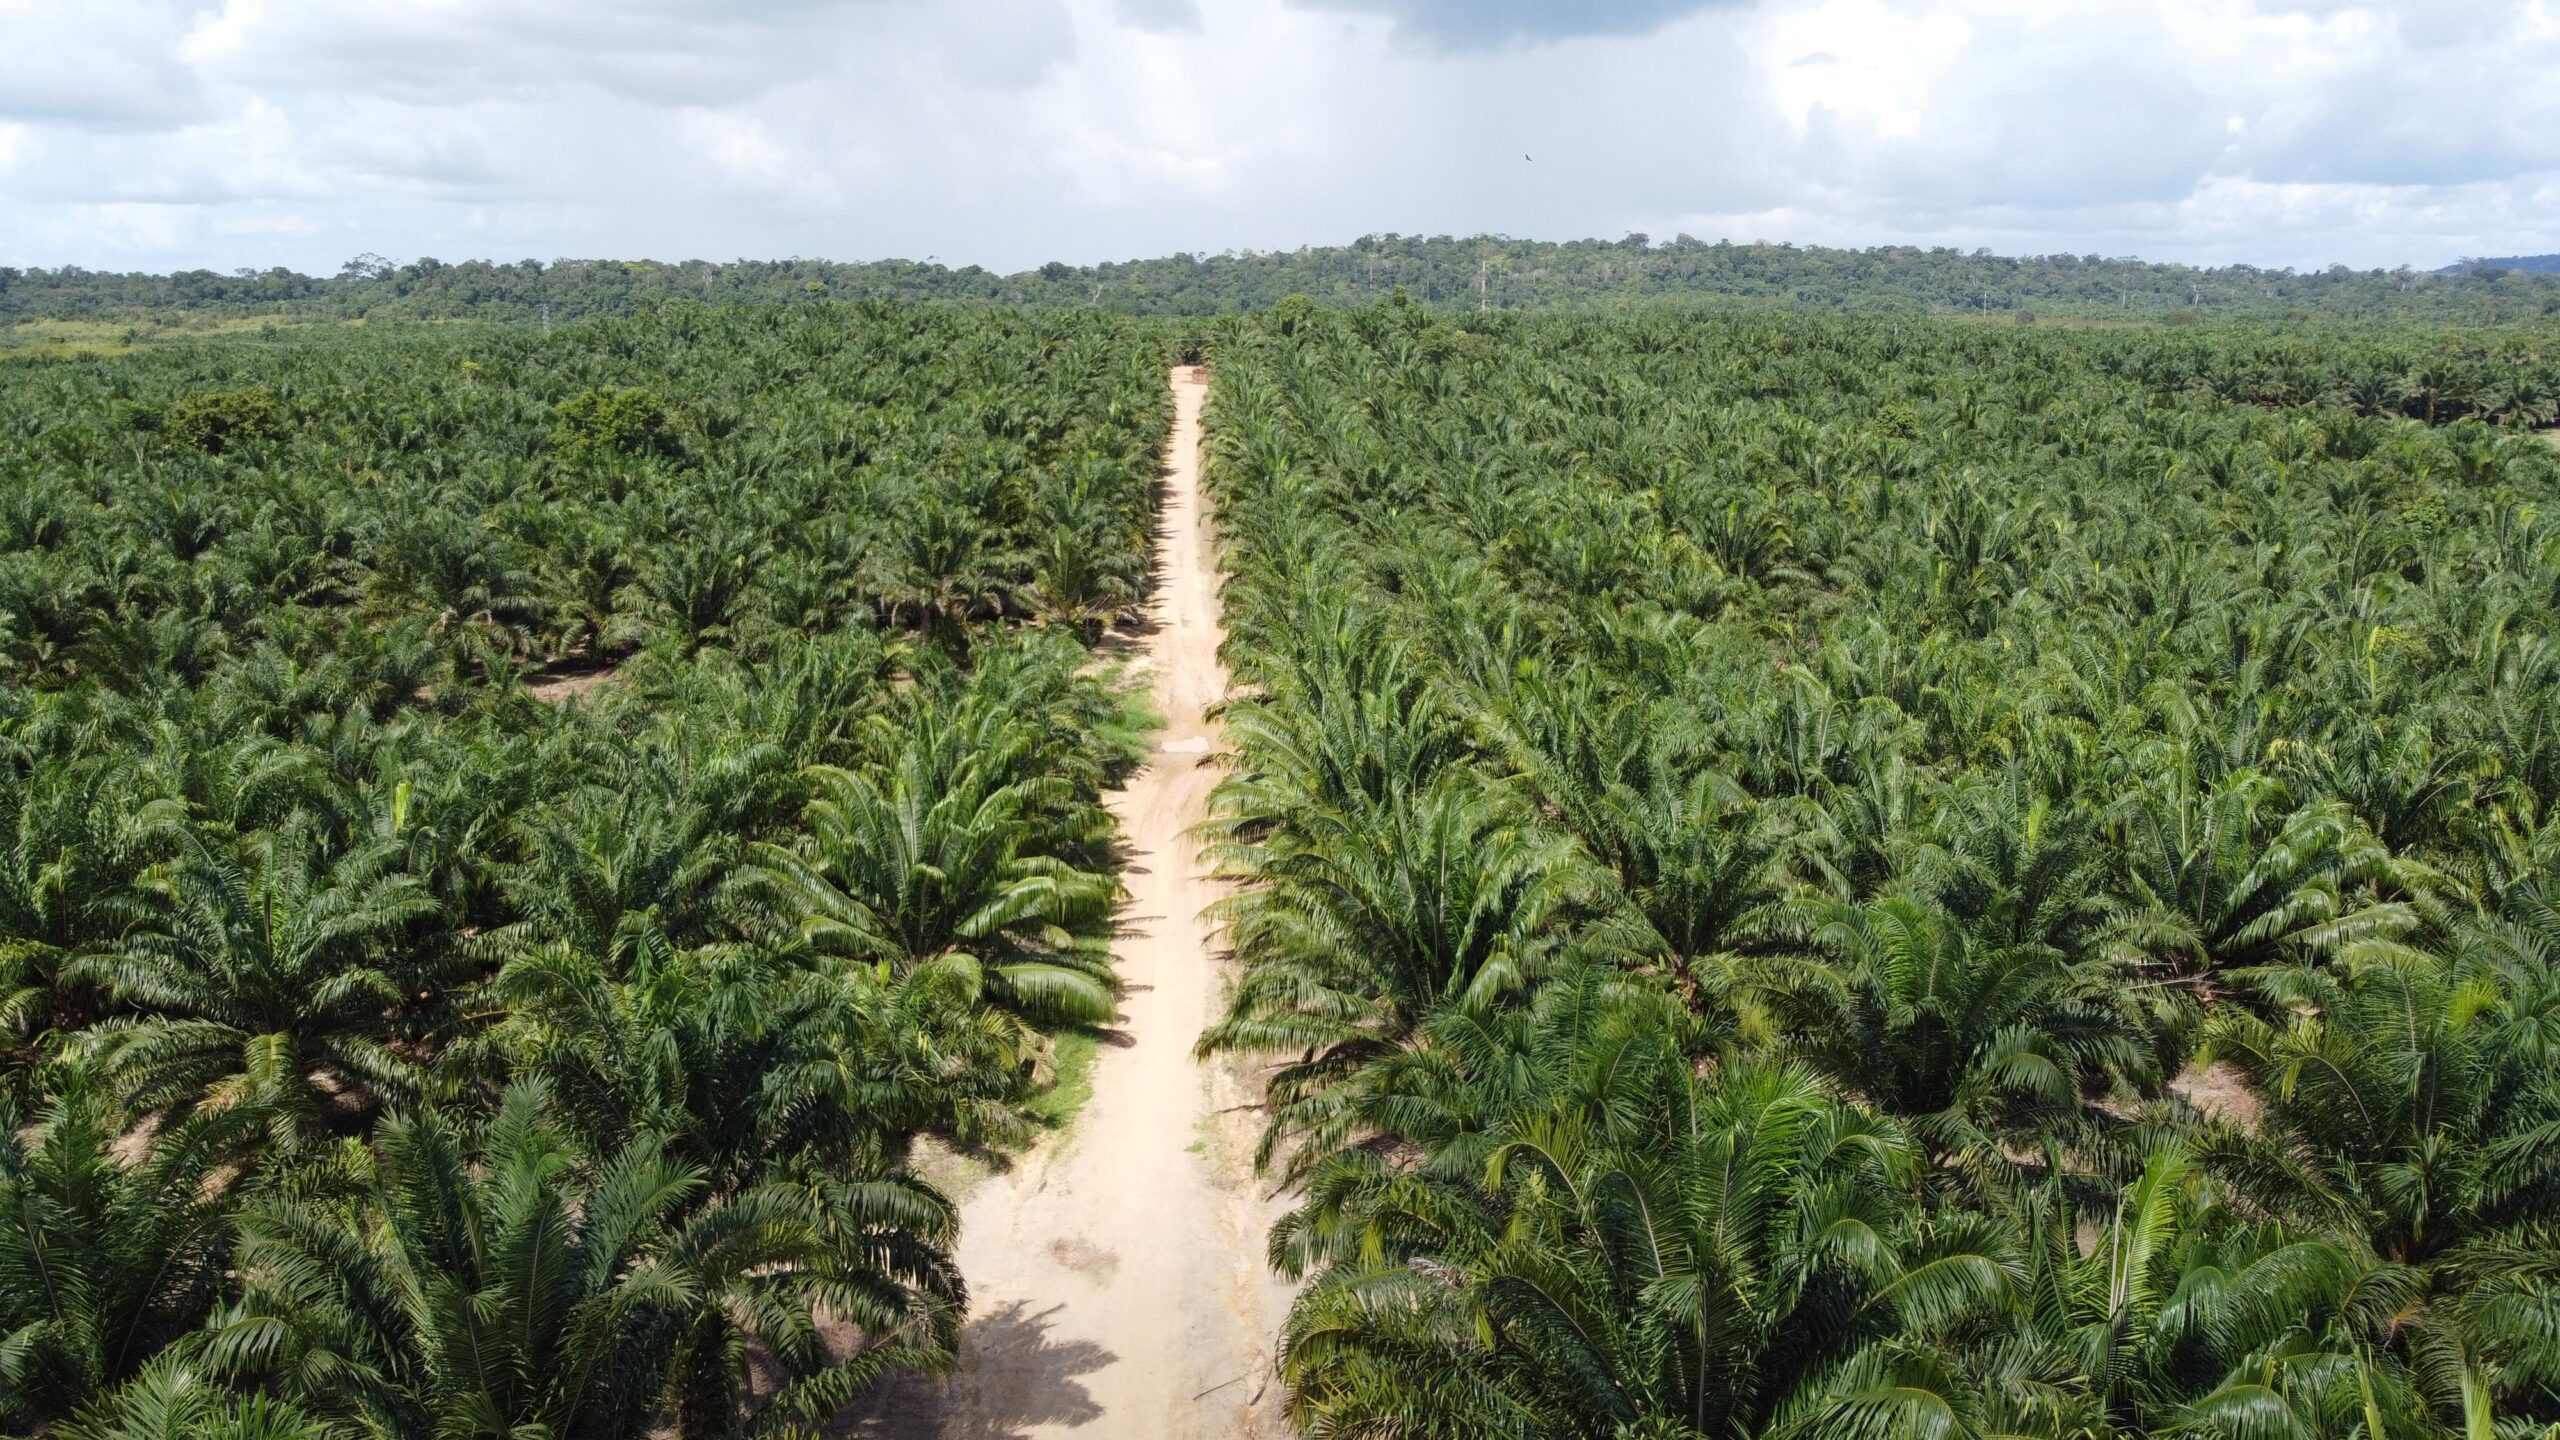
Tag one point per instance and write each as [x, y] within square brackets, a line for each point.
[1442, 272]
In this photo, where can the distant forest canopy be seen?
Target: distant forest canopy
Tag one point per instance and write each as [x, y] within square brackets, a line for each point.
[2539, 264]
[1487, 272]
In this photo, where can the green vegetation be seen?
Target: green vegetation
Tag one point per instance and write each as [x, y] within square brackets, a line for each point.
[1754, 827]
[2546, 264]
[386, 1050]
[1071, 1077]
[1461, 273]
[1801, 874]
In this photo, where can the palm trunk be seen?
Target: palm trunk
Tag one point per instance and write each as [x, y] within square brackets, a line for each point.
[706, 1381]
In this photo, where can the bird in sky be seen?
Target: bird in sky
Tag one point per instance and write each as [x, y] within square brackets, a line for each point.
[1529, 157]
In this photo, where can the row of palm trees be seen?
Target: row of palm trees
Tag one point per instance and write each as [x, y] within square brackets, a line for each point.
[2432, 373]
[1826, 878]
[385, 1051]
[690, 481]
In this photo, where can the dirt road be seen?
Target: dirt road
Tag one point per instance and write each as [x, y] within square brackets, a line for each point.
[1116, 1276]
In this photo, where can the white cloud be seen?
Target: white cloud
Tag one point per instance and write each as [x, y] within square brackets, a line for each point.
[1464, 25]
[129, 228]
[110, 65]
[224, 132]
[1859, 62]
[1159, 15]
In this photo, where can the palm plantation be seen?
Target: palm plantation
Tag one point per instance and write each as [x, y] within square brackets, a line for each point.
[1793, 875]
[1997, 891]
[391, 1050]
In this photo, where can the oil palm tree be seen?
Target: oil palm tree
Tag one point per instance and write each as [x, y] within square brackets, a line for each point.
[2231, 876]
[688, 589]
[1083, 570]
[1722, 1258]
[623, 872]
[489, 1279]
[2169, 1308]
[749, 1064]
[267, 970]
[175, 1399]
[2407, 1107]
[1702, 863]
[463, 577]
[909, 868]
[938, 571]
[1364, 919]
[1980, 1046]
[70, 852]
[113, 1242]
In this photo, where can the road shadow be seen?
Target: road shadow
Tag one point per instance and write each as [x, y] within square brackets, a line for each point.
[1012, 1376]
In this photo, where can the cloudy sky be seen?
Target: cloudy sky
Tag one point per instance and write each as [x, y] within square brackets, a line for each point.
[157, 134]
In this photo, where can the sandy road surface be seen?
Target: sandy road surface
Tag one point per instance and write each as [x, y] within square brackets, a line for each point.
[1117, 1285]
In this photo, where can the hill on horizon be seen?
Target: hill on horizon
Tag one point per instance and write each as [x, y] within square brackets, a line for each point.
[2536, 264]
[1479, 272]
